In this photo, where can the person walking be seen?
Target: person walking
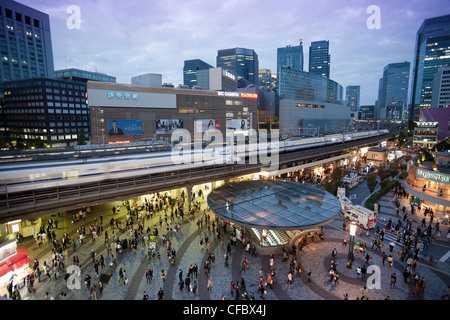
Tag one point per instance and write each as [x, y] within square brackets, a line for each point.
[209, 286]
[393, 280]
[269, 280]
[160, 294]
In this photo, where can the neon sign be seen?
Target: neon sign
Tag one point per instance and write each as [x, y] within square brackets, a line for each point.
[249, 95]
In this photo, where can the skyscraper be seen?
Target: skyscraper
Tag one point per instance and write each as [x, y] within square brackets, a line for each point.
[319, 58]
[441, 89]
[241, 62]
[432, 52]
[352, 94]
[265, 80]
[25, 42]
[190, 71]
[393, 90]
[290, 56]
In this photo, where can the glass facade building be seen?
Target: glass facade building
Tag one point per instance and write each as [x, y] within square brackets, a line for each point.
[190, 71]
[319, 58]
[352, 94]
[241, 62]
[432, 51]
[290, 56]
[25, 42]
[301, 85]
[393, 90]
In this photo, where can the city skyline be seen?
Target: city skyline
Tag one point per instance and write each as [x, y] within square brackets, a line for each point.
[158, 38]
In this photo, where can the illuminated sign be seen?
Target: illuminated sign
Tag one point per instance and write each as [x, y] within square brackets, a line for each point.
[120, 95]
[433, 176]
[114, 142]
[228, 94]
[125, 127]
[249, 95]
[237, 94]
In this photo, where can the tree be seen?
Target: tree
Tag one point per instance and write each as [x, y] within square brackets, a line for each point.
[81, 138]
[411, 126]
[37, 143]
[402, 138]
[371, 181]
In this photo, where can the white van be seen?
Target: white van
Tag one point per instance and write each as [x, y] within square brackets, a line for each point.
[363, 217]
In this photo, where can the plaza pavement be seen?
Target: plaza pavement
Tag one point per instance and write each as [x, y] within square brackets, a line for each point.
[315, 256]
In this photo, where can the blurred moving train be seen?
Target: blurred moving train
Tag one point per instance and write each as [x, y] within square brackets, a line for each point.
[38, 175]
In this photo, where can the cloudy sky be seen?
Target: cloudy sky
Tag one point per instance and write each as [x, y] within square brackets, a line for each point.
[127, 38]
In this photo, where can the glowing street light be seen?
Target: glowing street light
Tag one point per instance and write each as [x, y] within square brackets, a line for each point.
[352, 231]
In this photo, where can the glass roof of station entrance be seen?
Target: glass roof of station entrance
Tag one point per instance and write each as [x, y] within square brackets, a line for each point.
[274, 204]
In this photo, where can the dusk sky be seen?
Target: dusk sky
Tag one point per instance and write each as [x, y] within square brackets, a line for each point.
[128, 38]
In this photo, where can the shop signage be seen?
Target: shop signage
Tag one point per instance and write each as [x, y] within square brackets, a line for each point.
[122, 95]
[8, 250]
[237, 94]
[433, 176]
[228, 94]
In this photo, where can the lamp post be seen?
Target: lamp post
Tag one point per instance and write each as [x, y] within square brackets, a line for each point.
[352, 230]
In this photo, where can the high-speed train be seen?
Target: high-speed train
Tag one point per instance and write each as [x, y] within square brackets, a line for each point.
[32, 176]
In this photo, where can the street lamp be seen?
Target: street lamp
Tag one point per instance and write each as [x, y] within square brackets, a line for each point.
[351, 244]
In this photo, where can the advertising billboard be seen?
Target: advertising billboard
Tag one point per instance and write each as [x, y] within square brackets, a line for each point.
[167, 126]
[237, 124]
[125, 127]
[204, 124]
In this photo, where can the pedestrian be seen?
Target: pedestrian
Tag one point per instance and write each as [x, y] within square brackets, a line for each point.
[269, 280]
[93, 292]
[393, 280]
[145, 296]
[309, 275]
[422, 284]
[160, 294]
[290, 278]
[416, 290]
[390, 260]
[209, 286]
[391, 246]
[383, 257]
[364, 293]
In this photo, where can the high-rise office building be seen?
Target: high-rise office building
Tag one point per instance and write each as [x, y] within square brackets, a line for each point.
[432, 52]
[190, 71]
[265, 79]
[290, 56]
[302, 85]
[352, 95]
[319, 58]
[25, 42]
[216, 79]
[393, 88]
[52, 110]
[241, 62]
[441, 89]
